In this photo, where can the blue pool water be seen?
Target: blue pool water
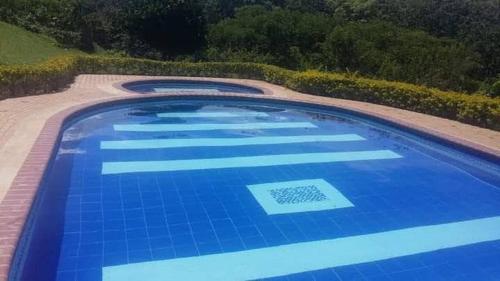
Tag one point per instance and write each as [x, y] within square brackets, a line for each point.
[171, 86]
[236, 190]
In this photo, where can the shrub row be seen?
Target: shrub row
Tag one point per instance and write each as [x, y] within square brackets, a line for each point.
[23, 80]
[57, 73]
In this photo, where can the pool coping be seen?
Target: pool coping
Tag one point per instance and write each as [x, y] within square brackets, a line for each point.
[16, 205]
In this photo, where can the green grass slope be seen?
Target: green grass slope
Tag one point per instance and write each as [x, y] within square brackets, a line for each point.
[19, 46]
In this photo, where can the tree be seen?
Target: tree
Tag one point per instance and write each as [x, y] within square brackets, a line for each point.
[279, 35]
[387, 51]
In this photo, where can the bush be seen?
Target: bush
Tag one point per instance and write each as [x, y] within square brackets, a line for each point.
[24, 80]
[390, 52]
[494, 90]
[284, 37]
[51, 17]
[473, 109]
[300, 40]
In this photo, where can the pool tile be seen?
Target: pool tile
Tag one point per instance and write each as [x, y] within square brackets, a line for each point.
[183, 228]
[67, 263]
[205, 237]
[66, 276]
[160, 242]
[137, 244]
[254, 242]
[89, 262]
[185, 250]
[135, 256]
[136, 233]
[113, 235]
[324, 274]
[248, 231]
[348, 273]
[114, 246]
[209, 248]
[182, 239]
[163, 253]
[90, 249]
[232, 245]
[88, 275]
[115, 258]
[158, 231]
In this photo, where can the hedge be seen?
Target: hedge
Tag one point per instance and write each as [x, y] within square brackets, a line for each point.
[58, 73]
[24, 80]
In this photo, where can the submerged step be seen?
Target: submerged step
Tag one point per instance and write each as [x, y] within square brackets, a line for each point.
[197, 142]
[215, 126]
[211, 114]
[245, 161]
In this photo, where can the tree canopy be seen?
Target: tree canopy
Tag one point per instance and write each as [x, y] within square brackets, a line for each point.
[448, 44]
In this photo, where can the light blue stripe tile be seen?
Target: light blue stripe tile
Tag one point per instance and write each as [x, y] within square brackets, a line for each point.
[308, 256]
[211, 114]
[170, 143]
[240, 162]
[180, 90]
[200, 127]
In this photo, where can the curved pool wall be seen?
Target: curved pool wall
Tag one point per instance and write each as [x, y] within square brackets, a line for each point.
[188, 86]
[403, 191]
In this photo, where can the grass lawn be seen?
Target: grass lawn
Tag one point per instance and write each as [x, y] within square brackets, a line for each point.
[18, 46]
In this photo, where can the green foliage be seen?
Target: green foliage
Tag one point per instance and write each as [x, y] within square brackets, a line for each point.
[55, 18]
[494, 90]
[19, 46]
[150, 28]
[476, 23]
[288, 33]
[23, 80]
[352, 10]
[394, 53]
[301, 40]
[168, 27]
[278, 36]
[57, 73]
[472, 109]
[217, 10]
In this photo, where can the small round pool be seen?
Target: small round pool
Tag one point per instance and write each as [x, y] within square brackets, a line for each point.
[176, 86]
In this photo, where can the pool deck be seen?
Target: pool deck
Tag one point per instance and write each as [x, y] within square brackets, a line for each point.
[29, 127]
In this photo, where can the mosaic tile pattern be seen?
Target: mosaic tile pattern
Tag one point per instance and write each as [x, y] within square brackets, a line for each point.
[297, 195]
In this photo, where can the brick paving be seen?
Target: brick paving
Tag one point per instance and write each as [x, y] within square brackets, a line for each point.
[29, 128]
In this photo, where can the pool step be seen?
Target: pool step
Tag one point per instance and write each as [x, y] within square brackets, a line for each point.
[211, 114]
[209, 127]
[201, 142]
[243, 162]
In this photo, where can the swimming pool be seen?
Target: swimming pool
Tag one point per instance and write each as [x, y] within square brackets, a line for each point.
[239, 190]
[188, 86]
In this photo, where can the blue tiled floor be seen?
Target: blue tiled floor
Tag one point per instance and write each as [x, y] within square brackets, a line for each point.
[136, 217]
